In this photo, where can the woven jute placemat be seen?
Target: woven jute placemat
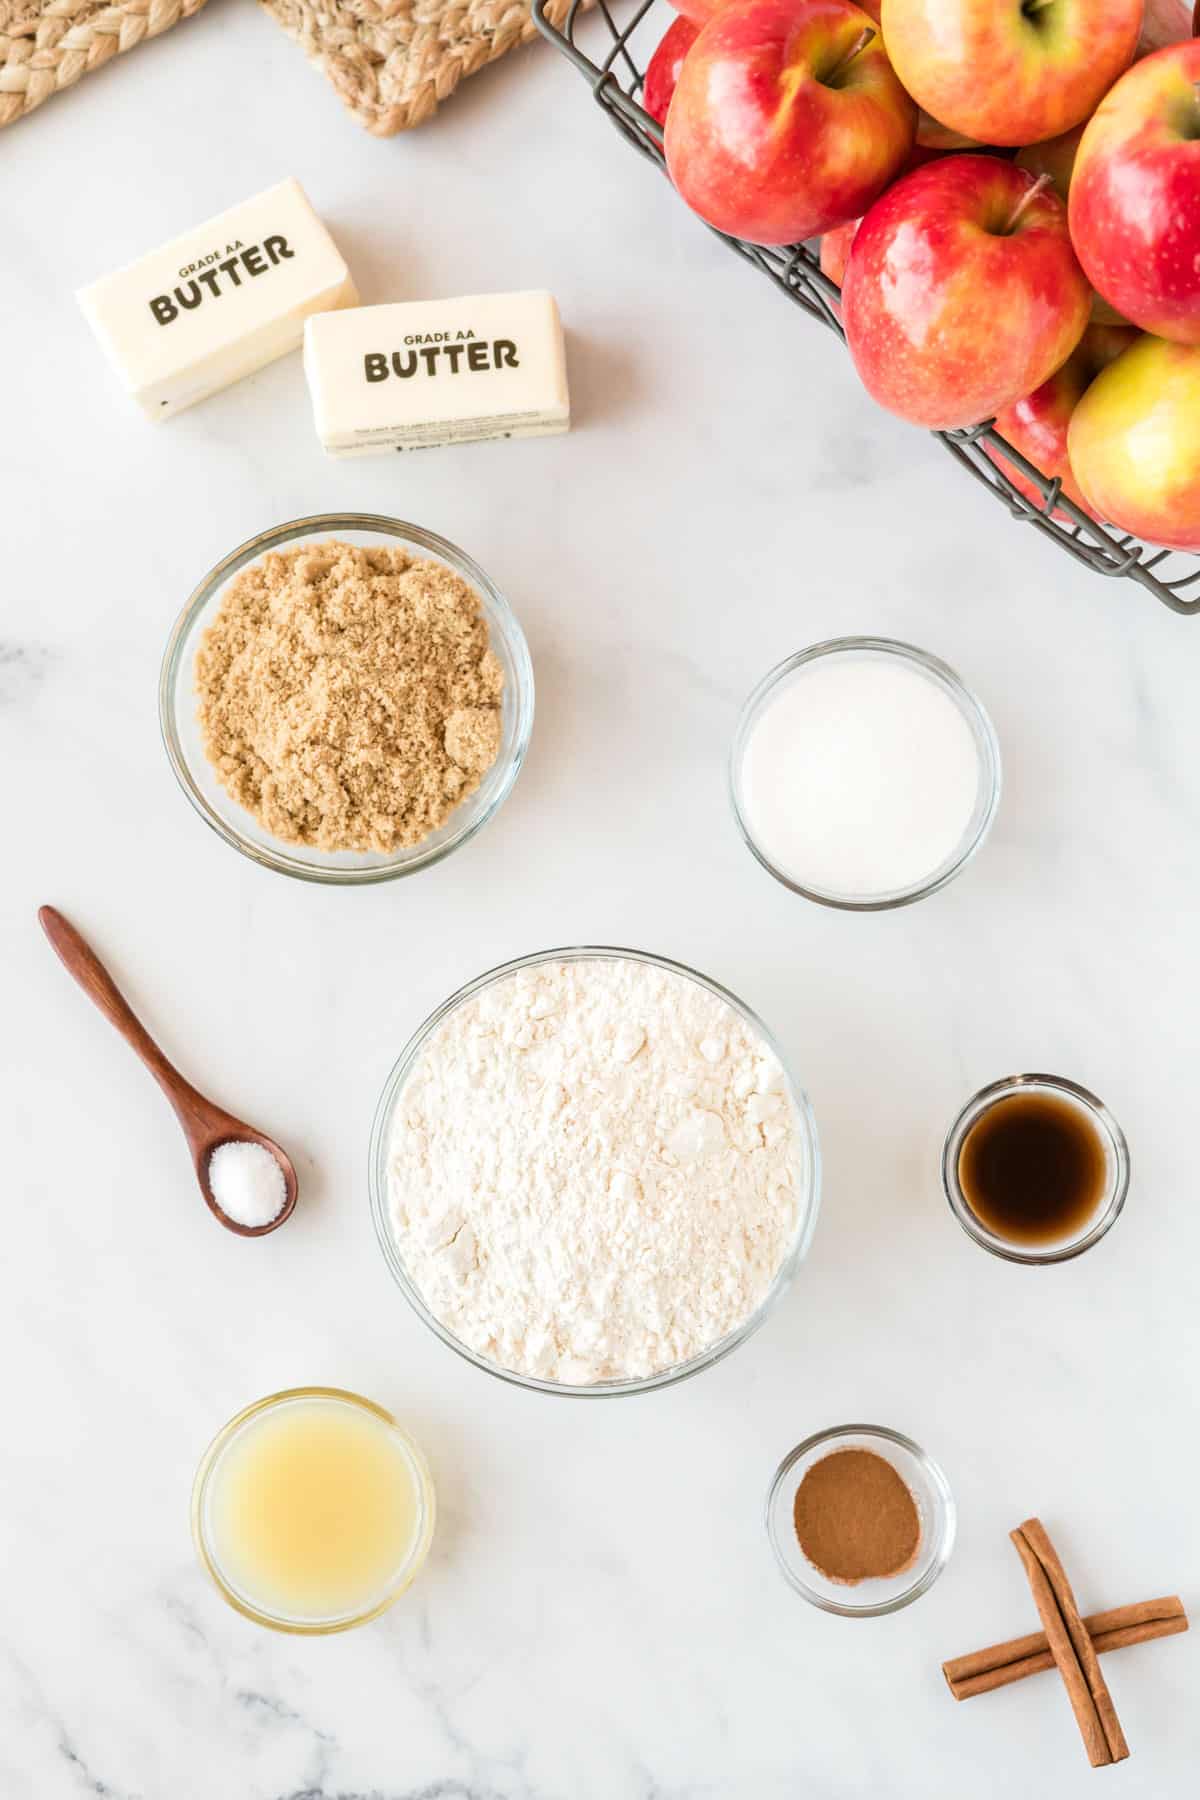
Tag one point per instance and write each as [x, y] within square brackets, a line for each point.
[392, 61]
[48, 45]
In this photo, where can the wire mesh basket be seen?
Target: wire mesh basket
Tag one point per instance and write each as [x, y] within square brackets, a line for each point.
[612, 58]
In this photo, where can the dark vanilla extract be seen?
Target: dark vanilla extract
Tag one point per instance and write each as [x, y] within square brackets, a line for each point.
[1032, 1169]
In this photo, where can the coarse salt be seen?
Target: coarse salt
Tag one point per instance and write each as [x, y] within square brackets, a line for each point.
[247, 1183]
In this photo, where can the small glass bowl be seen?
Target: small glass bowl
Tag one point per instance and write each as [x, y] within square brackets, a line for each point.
[381, 1132]
[182, 738]
[935, 1507]
[932, 669]
[1116, 1159]
[201, 1513]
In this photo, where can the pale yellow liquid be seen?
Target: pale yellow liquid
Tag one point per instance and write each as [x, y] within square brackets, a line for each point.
[314, 1510]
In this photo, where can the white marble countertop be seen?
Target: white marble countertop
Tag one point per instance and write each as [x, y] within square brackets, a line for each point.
[601, 1618]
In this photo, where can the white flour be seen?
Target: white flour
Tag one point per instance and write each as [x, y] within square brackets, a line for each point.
[594, 1170]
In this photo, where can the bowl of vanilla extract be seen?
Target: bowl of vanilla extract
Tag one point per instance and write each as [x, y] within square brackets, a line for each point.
[1036, 1169]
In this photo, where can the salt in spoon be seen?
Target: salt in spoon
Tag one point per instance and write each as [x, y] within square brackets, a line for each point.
[205, 1126]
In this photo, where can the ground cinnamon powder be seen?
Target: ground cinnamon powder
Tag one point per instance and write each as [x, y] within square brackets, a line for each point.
[855, 1517]
[347, 696]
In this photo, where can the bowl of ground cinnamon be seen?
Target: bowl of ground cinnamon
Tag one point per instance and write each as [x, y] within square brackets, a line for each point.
[346, 698]
[861, 1520]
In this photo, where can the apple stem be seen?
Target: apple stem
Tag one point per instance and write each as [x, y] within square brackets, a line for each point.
[857, 47]
[1027, 199]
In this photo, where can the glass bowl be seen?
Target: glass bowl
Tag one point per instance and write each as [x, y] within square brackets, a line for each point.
[381, 1132]
[931, 669]
[1116, 1160]
[935, 1506]
[196, 776]
[204, 1536]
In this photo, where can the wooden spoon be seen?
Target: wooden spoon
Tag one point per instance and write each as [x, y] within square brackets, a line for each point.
[205, 1126]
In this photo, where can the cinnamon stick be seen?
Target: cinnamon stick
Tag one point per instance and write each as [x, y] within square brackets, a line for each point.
[983, 1671]
[1038, 1539]
[1070, 1646]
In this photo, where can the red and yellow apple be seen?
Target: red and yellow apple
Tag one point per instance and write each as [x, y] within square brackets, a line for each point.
[933, 135]
[697, 12]
[1010, 71]
[662, 71]
[1134, 443]
[1135, 195]
[835, 244]
[962, 292]
[835, 250]
[1056, 158]
[787, 119]
[1037, 425]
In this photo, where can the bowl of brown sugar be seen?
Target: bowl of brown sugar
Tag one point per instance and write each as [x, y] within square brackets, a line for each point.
[346, 698]
[861, 1520]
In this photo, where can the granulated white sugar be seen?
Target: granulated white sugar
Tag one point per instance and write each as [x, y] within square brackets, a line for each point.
[860, 777]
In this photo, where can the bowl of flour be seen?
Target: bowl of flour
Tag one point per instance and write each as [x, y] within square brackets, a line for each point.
[591, 1172]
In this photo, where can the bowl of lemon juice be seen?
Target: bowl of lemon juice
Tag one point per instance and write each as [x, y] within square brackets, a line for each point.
[312, 1510]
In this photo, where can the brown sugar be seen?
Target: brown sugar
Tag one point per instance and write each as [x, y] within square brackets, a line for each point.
[855, 1517]
[348, 697]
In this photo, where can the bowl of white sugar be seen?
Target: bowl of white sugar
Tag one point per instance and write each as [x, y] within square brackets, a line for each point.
[864, 774]
[592, 1173]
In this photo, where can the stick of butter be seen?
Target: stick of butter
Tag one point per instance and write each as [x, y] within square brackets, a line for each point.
[425, 372]
[218, 302]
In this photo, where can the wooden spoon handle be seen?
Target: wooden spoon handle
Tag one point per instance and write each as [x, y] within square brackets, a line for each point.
[81, 961]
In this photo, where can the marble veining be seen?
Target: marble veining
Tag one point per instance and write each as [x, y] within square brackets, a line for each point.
[22, 667]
